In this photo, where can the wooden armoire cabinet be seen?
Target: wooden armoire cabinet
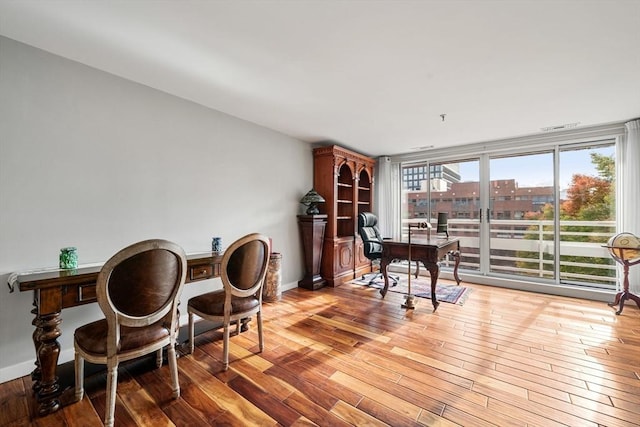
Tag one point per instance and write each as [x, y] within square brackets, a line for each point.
[346, 180]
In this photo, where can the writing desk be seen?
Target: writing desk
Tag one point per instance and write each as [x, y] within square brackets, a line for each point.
[427, 251]
[56, 290]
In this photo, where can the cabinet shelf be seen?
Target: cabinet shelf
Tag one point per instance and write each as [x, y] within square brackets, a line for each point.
[345, 201]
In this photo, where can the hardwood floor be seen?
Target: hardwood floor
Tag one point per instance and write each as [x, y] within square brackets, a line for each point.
[343, 356]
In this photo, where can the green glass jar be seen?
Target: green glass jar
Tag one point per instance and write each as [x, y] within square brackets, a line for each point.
[69, 258]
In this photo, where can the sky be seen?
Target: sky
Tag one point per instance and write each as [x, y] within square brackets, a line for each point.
[537, 169]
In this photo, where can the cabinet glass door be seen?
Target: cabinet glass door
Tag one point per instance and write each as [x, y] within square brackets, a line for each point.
[364, 193]
[346, 224]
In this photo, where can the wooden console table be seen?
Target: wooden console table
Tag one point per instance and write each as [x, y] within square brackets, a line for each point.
[55, 290]
[427, 251]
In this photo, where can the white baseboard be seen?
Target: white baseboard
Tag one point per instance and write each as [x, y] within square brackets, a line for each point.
[16, 371]
[21, 369]
[521, 284]
[288, 286]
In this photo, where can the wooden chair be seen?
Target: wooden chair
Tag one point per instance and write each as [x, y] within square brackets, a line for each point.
[243, 270]
[138, 290]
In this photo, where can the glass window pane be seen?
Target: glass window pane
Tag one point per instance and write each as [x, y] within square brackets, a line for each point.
[452, 188]
[587, 215]
[521, 227]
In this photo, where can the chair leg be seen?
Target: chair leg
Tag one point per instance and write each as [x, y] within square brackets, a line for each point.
[79, 368]
[260, 339]
[173, 367]
[375, 276]
[159, 358]
[191, 333]
[225, 346]
[112, 385]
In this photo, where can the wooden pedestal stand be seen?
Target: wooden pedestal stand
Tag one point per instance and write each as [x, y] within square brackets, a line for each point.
[624, 258]
[312, 234]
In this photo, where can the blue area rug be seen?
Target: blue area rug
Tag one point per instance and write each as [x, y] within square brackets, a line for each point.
[421, 287]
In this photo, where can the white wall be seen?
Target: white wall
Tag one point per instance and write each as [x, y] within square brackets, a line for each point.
[91, 160]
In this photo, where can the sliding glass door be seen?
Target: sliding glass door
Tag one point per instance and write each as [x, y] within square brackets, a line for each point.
[587, 215]
[542, 214]
[452, 188]
[521, 215]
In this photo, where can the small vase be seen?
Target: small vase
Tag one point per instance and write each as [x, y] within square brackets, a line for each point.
[68, 258]
[216, 244]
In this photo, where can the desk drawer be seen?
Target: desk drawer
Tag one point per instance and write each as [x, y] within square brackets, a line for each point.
[73, 295]
[86, 293]
[200, 272]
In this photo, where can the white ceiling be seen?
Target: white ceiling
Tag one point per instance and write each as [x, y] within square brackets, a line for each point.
[374, 76]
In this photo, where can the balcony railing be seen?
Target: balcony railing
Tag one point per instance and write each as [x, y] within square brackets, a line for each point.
[527, 248]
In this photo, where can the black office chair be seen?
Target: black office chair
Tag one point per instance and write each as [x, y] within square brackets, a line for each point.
[373, 241]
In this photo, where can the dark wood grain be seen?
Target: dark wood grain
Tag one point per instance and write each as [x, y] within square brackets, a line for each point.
[13, 401]
[264, 400]
[182, 414]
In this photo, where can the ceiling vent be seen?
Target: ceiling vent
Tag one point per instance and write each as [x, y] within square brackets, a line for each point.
[559, 127]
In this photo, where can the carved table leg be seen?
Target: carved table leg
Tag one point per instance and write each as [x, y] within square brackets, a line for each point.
[623, 296]
[434, 271]
[48, 350]
[36, 374]
[384, 265]
[456, 256]
[634, 298]
[619, 299]
[616, 300]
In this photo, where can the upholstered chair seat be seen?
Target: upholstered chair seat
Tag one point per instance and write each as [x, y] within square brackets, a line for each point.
[213, 303]
[243, 270]
[92, 338]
